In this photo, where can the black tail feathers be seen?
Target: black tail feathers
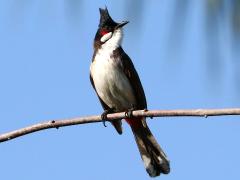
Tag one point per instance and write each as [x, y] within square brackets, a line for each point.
[155, 160]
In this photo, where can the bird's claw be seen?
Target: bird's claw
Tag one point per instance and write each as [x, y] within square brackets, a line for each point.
[129, 112]
[104, 116]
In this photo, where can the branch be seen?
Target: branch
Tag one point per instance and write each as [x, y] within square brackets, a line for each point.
[115, 116]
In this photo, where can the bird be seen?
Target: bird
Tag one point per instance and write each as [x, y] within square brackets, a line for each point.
[119, 89]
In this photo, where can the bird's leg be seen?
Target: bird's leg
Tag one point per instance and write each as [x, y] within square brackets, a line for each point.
[129, 112]
[104, 115]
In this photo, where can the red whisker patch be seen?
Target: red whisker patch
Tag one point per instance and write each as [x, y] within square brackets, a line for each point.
[103, 32]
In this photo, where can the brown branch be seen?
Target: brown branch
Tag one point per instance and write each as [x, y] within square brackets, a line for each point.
[112, 117]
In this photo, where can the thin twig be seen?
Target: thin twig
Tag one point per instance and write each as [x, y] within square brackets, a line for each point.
[112, 117]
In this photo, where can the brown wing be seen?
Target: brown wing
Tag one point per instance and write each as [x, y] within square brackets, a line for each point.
[133, 77]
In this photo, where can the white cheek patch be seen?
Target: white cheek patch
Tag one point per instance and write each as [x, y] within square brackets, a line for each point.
[106, 37]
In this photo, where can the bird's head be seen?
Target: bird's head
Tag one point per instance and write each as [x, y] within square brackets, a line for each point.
[108, 29]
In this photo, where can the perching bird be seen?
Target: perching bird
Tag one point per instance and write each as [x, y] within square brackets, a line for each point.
[119, 88]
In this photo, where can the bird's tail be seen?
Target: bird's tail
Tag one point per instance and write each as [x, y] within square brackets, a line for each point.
[155, 160]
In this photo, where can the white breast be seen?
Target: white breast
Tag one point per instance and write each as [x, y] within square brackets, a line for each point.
[110, 82]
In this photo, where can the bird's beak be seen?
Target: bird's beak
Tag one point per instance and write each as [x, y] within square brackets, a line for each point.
[121, 24]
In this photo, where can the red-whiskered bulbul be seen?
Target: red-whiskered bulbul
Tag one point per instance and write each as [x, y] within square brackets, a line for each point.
[119, 88]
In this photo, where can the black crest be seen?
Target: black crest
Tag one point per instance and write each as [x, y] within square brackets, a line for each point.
[105, 18]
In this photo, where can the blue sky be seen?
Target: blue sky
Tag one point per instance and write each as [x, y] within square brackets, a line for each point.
[185, 59]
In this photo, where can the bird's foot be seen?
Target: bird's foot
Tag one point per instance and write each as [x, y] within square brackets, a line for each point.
[104, 116]
[129, 112]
